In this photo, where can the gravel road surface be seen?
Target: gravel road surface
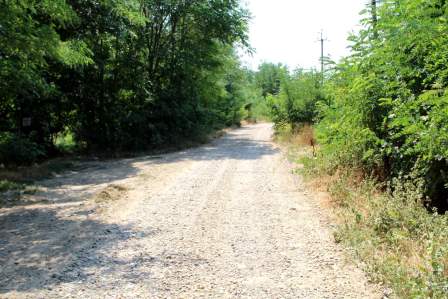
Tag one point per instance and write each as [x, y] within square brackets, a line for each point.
[226, 220]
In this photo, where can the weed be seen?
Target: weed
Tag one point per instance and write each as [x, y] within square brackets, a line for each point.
[388, 227]
[7, 185]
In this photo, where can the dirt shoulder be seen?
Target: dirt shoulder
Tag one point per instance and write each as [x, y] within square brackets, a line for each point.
[224, 220]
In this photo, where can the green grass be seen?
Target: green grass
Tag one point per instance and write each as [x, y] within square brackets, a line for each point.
[7, 185]
[65, 142]
[16, 190]
[387, 227]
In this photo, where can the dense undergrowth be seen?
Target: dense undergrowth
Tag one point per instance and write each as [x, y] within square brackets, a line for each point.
[399, 241]
[386, 226]
[126, 75]
[380, 121]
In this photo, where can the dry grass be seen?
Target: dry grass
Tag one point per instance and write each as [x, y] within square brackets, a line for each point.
[305, 136]
[301, 136]
[398, 241]
[36, 172]
[110, 193]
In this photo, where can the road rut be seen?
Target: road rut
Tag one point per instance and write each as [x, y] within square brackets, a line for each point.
[226, 220]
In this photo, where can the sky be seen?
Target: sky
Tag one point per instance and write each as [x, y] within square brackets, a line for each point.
[287, 31]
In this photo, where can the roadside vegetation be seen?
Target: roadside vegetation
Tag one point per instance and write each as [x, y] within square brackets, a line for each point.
[81, 77]
[107, 76]
[379, 129]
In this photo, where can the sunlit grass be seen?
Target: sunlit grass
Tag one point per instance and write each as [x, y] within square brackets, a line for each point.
[387, 227]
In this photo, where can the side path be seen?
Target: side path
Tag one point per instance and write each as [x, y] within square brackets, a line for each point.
[225, 220]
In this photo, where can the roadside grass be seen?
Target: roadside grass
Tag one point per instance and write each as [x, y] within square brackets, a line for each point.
[302, 135]
[11, 191]
[297, 142]
[20, 180]
[386, 226]
[7, 185]
[28, 174]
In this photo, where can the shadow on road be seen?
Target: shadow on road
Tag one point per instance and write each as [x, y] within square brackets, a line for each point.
[236, 145]
[39, 250]
[56, 241]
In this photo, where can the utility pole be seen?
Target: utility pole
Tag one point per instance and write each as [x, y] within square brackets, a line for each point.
[373, 7]
[321, 53]
[322, 67]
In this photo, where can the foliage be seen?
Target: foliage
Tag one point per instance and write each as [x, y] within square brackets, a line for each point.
[269, 77]
[296, 101]
[260, 110]
[15, 150]
[255, 105]
[288, 97]
[120, 75]
[28, 42]
[399, 242]
[65, 142]
[6, 185]
[387, 109]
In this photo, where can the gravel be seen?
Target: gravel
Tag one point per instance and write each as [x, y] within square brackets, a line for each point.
[226, 220]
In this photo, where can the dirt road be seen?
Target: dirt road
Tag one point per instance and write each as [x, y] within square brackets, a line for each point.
[226, 220]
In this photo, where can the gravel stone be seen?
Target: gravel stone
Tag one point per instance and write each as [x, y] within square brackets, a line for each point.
[226, 220]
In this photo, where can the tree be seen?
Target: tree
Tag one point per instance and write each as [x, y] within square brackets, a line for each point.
[269, 76]
[388, 108]
[126, 74]
[296, 101]
[29, 42]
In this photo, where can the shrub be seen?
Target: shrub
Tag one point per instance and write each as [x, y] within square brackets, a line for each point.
[400, 243]
[15, 150]
[65, 142]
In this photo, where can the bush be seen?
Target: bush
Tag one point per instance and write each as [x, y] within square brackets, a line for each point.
[65, 142]
[400, 243]
[15, 150]
[297, 99]
[388, 102]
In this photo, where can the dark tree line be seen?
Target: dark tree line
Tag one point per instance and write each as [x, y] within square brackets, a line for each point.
[117, 75]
